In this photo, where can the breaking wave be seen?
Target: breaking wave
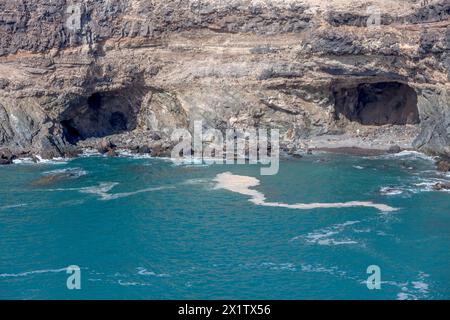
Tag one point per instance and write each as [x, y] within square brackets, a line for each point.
[40, 160]
[390, 191]
[412, 155]
[71, 172]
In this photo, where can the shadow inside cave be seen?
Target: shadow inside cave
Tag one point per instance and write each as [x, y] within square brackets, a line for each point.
[377, 103]
[102, 114]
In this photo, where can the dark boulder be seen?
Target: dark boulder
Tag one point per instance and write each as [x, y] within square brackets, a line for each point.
[295, 153]
[155, 136]
[443, 165]
[72, 152]
[106, 147]
[134, 149]
[112, 153]
[394, 149]
[156, 151]
[6, 156]
[144, 150]
[161, 150]
[441, 186]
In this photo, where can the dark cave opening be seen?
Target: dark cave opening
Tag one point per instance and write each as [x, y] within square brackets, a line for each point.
[101, 114]
[118, 121]
[70, 132]
[377, 104]
[95, 101]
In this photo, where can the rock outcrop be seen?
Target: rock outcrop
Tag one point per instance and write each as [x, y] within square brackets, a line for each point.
[441, 186]
[6, 156]
[73, 73]
[443, 165]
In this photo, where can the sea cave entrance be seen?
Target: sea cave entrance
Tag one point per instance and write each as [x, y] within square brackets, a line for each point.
[101, 114]
[377, 104]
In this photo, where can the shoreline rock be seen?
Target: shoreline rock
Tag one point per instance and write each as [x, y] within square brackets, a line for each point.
[441, 186]
[394, 149]
[443, 165]
[354, 151]
[6, 157]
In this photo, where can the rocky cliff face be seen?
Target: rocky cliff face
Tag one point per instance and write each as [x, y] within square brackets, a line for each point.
[73, 73]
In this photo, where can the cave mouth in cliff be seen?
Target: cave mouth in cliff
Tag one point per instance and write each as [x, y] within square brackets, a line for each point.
[101, 114]
[377, 103]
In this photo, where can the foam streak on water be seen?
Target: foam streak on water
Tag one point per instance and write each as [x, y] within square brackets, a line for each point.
[28, 273]
[242, 185]
[102, 190]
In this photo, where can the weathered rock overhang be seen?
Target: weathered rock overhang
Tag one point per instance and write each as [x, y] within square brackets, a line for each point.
[377, 103]
[102, 114]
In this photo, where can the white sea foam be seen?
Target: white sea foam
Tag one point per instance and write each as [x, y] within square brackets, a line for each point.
[420, 286]
[406, 154]
[358, 167]
[428, 185]
[124, 153]
[89, 152]
[418, 289]
[24, 161]
[197, 181]
[145, 272]
[424, 186]
[191, 162]
[73, 172]
[287, 266]
[424, 181]
[102, 190]
[28, 273]
[410, 290]
[324, 236]
[242, 185]
[201, 183]
[39, 160]
[390, 191]
[405, 296]
[333, 242]
[128, 154]
[335, 271]
[132, 283]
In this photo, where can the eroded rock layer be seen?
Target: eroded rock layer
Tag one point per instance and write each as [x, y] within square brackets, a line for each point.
[73, 73]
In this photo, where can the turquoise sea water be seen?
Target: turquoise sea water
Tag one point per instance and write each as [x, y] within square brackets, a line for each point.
[150, 229]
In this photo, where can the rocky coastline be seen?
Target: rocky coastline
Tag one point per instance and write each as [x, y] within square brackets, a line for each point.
[126, 73]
